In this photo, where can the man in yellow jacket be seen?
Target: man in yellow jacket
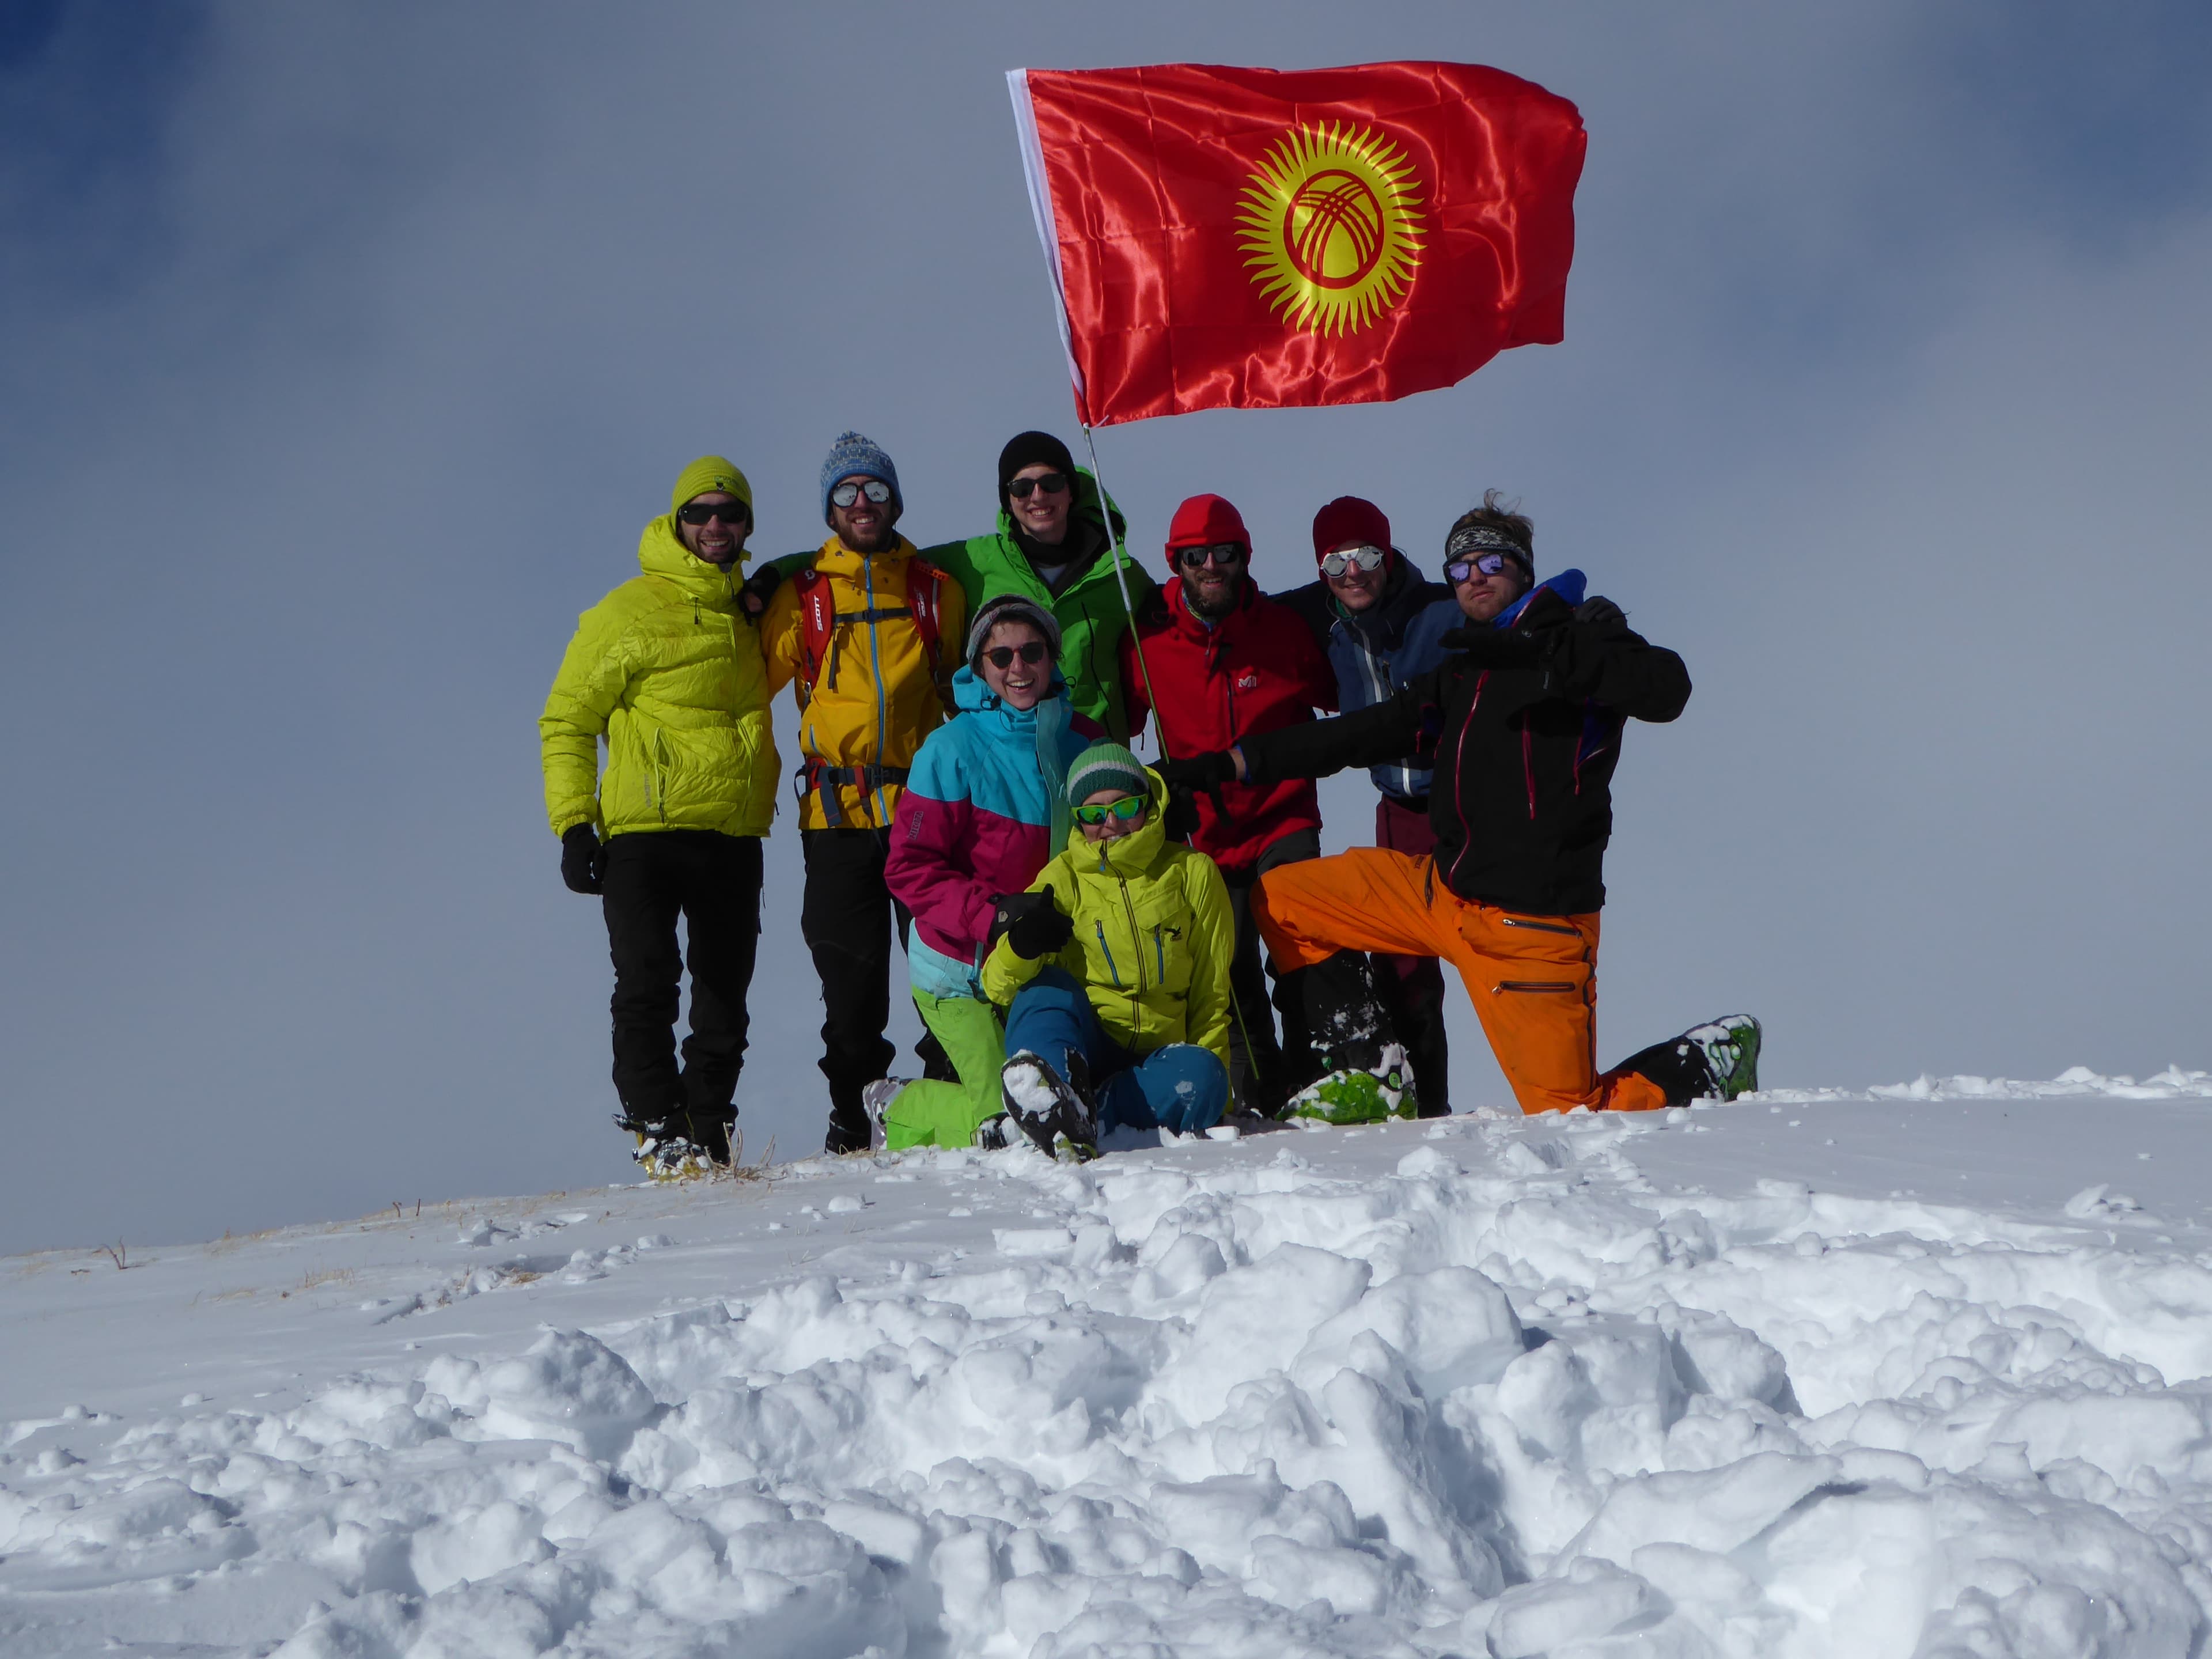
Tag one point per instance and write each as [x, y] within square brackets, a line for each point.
[668, 671]
[870, 634]
[1114, 971]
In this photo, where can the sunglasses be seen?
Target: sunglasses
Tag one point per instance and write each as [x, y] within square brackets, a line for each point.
[1126, 809]
[1489, 564]
[1221, 553]
[849, 492]
[1002, 657]
[1051, 482]
[1336, 563]
[732, 512]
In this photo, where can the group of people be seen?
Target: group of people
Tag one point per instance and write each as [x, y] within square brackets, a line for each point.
[1090, 940]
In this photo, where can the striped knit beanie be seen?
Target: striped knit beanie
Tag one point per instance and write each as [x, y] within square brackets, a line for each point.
[856, 457]
[1106, 766]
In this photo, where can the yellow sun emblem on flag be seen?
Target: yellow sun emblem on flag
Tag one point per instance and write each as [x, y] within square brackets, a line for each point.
[1330, 230]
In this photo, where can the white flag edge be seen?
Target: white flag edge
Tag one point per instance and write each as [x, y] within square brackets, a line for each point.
[1041, 209]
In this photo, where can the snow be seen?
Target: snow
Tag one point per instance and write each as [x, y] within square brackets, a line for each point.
[1918, 1372]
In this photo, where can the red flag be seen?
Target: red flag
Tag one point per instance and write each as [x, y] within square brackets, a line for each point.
[1258, 239]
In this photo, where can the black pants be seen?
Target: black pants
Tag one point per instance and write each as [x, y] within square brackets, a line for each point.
[1412, 988]
[713, 882]
[847, 917]
[1262, 1072]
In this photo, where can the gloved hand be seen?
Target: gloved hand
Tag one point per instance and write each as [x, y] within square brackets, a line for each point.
[1193, 773]
[1180, 822]
[1032, 925]
[759, 588]
[1579, 649]
[583, 861]
[1499, 647]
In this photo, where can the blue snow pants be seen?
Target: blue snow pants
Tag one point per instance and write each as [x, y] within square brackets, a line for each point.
[1179, 1086]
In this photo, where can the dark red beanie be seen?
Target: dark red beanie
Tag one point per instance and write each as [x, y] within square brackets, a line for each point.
[1207, 521]
[1348, 519]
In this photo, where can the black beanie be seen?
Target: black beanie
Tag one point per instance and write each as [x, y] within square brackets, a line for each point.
[1032, 449]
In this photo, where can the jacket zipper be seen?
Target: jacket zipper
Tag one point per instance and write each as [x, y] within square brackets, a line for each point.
[1109, 950]
[1160, 953]
[1533, 985]
[1528, 765]
[876, 666]
[1540, 926]
[1458, 777]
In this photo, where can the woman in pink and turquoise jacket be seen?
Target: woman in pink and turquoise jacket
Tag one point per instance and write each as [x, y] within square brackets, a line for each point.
[982, 812]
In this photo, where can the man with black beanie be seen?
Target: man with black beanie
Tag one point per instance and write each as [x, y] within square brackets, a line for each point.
[1056, 545]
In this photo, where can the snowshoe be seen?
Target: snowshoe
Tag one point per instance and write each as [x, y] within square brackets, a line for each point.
[1055, 1113]
[875, 1100]
[1360, 1094]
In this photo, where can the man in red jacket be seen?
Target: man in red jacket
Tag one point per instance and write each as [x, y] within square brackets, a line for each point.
[1221, 661]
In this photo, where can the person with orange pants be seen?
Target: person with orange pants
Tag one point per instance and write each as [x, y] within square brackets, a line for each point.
[1521, 725]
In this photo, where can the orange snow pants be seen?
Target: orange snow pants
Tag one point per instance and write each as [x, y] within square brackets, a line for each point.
[1533, 979]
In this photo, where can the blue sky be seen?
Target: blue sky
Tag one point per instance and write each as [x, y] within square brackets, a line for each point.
[344, 352]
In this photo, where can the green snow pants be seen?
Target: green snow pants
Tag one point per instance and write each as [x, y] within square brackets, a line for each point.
[928, 1113]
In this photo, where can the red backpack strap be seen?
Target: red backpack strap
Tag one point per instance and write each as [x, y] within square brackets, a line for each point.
[925, 596]
[818, 622]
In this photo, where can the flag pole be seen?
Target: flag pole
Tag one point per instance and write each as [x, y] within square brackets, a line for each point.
[1121, 579]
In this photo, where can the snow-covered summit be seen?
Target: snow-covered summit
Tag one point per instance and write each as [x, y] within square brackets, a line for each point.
[1917, 1372]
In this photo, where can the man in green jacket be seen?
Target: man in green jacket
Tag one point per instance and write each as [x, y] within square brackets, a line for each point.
[667, 669]
[1054, 545]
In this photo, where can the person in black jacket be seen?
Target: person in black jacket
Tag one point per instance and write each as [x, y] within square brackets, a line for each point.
[1522, 725]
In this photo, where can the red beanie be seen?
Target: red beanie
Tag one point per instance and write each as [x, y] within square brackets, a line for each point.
[1207, 521]
[1348, 519]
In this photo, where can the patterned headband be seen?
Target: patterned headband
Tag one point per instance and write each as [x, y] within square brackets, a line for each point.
[1484, 538]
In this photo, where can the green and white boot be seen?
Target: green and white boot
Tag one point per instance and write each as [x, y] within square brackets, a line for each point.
[1730, 1047]
[1353, 1094]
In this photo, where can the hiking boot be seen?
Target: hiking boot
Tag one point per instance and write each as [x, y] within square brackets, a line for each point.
[875, 1101]
[995, 1133]
[1717, 1062]
[1730, 1047]
[1055, 1113]
[666, 1149]
[1360, 1094]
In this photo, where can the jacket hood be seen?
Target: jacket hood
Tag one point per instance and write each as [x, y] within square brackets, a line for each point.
[1570, 585]
[1127, 856]
[661, 552]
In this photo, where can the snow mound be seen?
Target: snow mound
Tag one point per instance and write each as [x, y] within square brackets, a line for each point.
[1484, 1388]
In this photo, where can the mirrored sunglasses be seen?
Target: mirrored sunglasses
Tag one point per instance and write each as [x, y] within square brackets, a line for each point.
[1002, 657]
[1051, 482]
[1221, 553]
[730, 512]
[1128, 807]
[850, 491]
[1488, 564]
[1366, 557]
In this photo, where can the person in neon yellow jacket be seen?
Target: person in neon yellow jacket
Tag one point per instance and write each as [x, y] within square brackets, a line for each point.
[1114, 969]
[668, 671]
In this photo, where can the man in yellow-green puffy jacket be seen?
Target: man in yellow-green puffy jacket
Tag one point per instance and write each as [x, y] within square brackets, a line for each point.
[1114, 971]
[668, 671]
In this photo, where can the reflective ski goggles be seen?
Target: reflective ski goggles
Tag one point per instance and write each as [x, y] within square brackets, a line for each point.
[1002, 657]
[1489, 564]
[1126, 809]
[731, 512]
[1366, 557]
[1227, 554]
[1051, 482]
[852, 489]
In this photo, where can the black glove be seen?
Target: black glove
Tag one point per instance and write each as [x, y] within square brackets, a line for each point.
[1195, 772]
[583, 861]
[1579, 649]
[1032, 925]
[1180, 822]
[758, 589]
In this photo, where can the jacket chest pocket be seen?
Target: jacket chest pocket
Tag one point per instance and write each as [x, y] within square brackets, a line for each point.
[1162, 930]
